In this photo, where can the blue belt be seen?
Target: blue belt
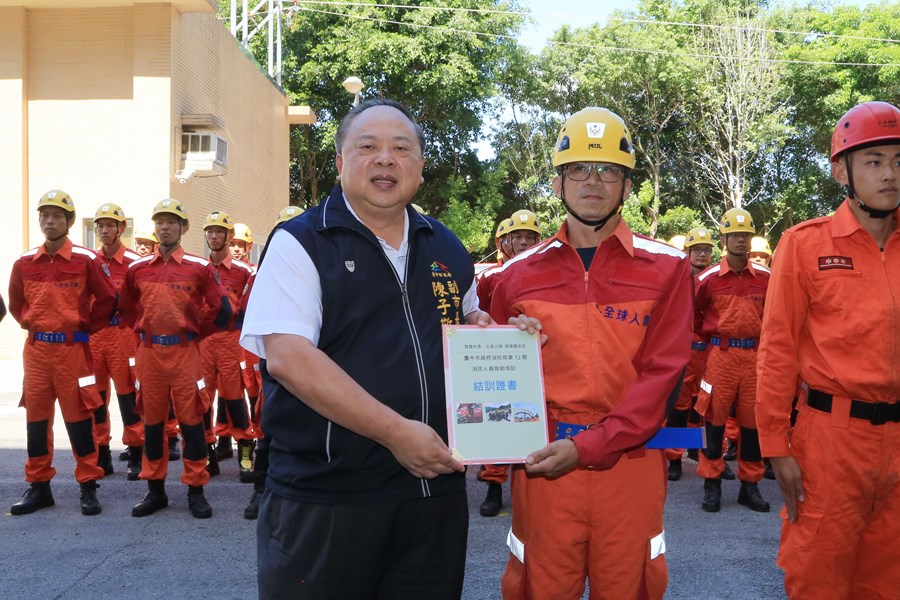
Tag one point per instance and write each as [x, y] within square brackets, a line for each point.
[54, 337]
[745, 343]
[666, 437]
[698, 345]
[168, 340]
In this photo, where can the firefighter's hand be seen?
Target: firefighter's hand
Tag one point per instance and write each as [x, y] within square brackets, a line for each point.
[480, 318]
[528, 324]
[554, 460]
[421, 451]
[790, 480]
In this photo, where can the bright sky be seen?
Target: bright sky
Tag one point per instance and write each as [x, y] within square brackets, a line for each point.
[550, 15]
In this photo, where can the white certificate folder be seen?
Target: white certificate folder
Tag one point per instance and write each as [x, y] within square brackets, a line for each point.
[496, 412]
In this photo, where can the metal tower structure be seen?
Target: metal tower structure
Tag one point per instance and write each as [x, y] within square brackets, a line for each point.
[247, 23]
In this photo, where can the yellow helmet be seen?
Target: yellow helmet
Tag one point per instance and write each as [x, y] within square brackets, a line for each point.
[242, 233]
[524, 219]
[761, 245]
[218, 219]
[503, 228]
[288, 213]
[169, 206]
[59, 199]
[736, 220]
[594, 135]
[677, 241]
[110, 211]
[142, 235]
[697, 236]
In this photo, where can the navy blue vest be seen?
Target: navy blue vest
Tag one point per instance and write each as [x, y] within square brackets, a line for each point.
[387, 337]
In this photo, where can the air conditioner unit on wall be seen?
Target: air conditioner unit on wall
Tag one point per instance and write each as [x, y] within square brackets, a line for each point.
[204, 153]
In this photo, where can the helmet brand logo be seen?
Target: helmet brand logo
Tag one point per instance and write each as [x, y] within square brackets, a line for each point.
[595, 146]
[596, 130]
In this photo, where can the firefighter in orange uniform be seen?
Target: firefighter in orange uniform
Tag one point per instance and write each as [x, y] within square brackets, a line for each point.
[222, 355]
[144, 243]
[616, 311]
[113, 348]
[163, 299]
[519, 233]
[698, 243]
[831, 318]
[261, 461]
[59, 293]
[730, 297]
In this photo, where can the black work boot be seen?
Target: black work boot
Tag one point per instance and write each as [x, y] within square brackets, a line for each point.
[224, 448]
[154, 500]
[730, 452]
[712, 495]
[104, 459]
[89, 503]
[174, 450]
[245, 460]
[135, 455]
[493, 502]
[252, 510]
[727, 474]
[675, 469]
[36, 497]
[212, 462]
[124, 454]
[200, 508]
[750, 497]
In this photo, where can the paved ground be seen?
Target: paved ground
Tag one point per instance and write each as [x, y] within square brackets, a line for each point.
[58, 553]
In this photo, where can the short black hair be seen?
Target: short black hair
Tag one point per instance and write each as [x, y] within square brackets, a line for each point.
[371, 103]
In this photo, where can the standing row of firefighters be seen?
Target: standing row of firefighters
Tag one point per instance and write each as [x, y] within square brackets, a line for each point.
[163, 326]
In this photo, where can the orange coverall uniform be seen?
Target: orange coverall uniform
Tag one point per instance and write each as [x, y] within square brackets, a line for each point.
[163, 300]
[679, 416]
[833, 317]
[485, 289]
[223, 356]
[729, 308]
[59, 299]
[113, 351]
[619, 339]
[250, 366]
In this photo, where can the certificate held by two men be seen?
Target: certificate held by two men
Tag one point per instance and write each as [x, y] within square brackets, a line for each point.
[496, 410]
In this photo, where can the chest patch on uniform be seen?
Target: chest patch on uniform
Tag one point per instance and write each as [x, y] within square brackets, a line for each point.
[835, 262]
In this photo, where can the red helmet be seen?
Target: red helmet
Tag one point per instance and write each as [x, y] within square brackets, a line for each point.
[865, 124]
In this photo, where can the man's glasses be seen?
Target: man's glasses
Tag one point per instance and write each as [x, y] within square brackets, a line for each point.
[699, 250]
[606, 173]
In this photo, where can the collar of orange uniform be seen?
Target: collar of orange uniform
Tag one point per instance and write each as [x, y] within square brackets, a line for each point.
[844, 223]
[226, 262]
[65, 251]
[725, 268]
[622, 233]
[119, 255]
[178, 255]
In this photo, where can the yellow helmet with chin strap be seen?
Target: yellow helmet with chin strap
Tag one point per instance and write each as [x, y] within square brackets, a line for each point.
[288, 213]
[110, 211]
[523, 219]
[218, 219]
[503, 228]
[760, 245]
[594, 135]
[59, 199]
[169, 206]
[143, 235]
[697, 236]
[677, 241]
[736, 220]
[242, 233]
